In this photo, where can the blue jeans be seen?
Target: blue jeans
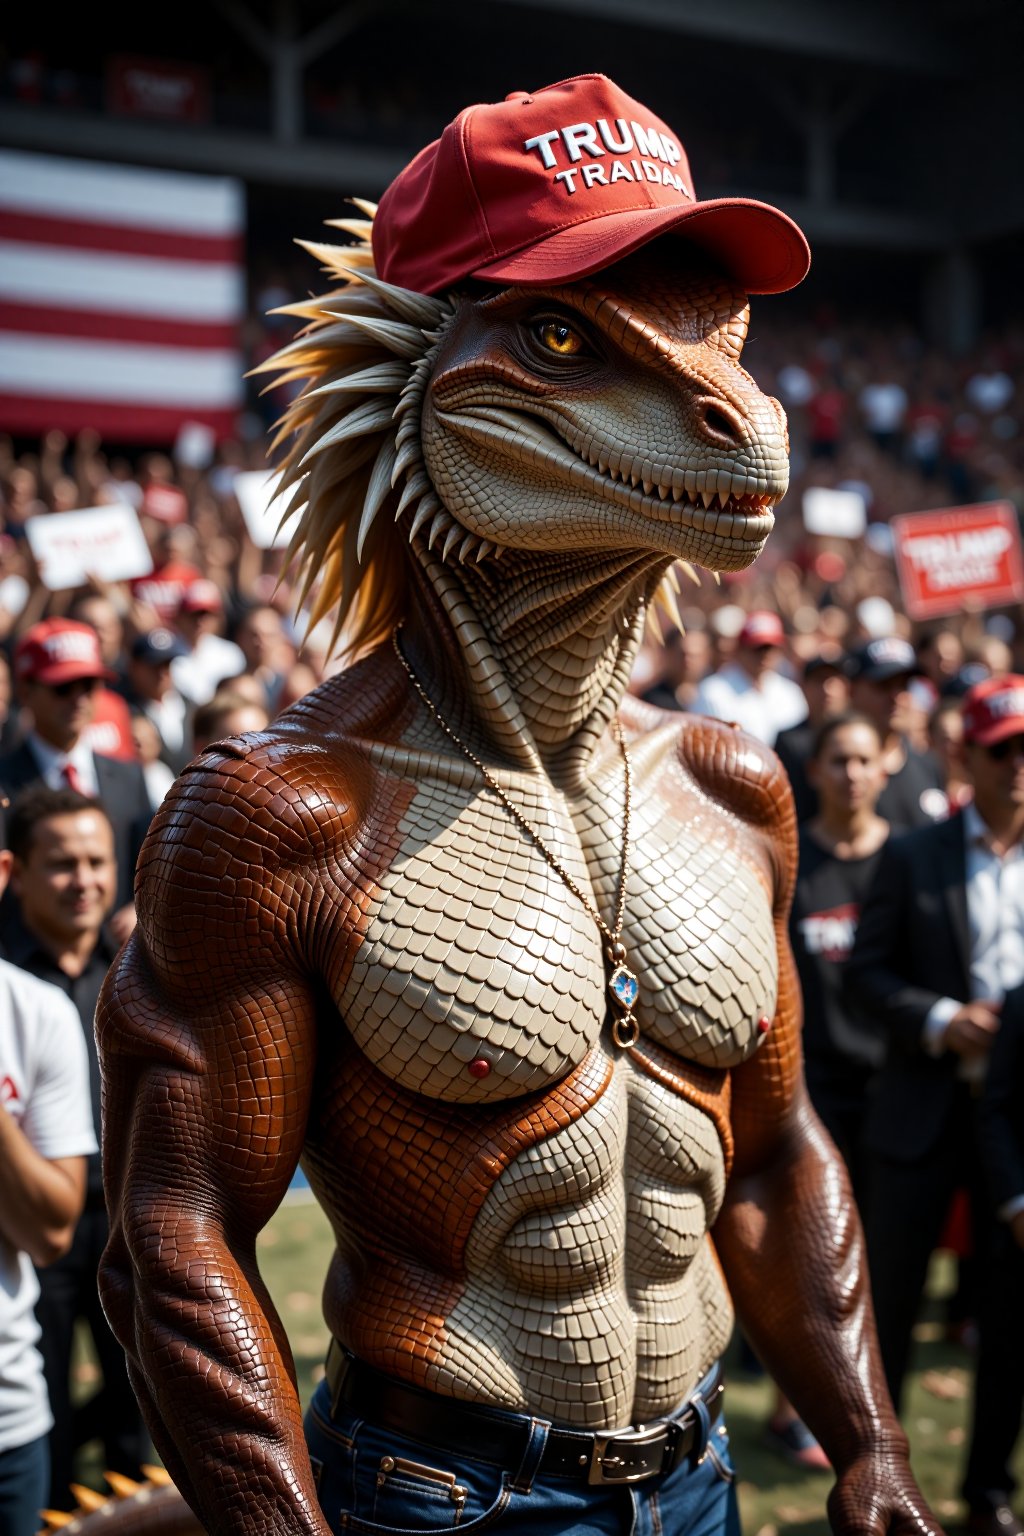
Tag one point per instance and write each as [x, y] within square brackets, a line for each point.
[376, 1481]
[24, 1481]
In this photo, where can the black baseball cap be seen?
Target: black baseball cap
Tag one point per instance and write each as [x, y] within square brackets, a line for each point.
[885, 657]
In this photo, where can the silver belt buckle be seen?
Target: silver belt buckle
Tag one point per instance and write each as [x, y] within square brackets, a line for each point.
[621, 1458]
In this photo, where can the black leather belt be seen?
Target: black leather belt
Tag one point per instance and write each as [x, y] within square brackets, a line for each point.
[492, 1435]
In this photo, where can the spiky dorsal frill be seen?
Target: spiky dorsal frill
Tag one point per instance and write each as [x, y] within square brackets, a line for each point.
[351, 439]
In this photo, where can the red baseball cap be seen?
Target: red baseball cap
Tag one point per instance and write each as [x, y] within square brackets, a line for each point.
[553, 185]
[59, 651]
[994, 709]
[202, 596]
[762, 628]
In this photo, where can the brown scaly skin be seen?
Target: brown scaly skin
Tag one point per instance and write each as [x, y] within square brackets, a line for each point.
[308, 977]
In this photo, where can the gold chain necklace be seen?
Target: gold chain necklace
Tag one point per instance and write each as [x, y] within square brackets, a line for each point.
[623, 987]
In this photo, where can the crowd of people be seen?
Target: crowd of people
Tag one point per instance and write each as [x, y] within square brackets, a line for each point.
[904, 745]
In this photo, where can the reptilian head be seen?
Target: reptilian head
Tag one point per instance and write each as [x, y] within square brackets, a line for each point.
[551, 365]
[610, 414]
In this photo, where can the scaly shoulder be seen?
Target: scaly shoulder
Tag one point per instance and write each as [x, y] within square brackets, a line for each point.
[735, 769]
[303, 787]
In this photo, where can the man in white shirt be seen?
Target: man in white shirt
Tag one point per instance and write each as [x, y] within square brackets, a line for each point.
[750, 691]
[210, 659]
[46, 1133]
[939, 944]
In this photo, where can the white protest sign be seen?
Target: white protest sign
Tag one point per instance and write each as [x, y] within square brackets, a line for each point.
[107, 542]
[262, 508]
[841, 514]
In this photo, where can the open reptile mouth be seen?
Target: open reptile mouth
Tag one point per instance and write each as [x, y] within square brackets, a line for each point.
[712, 500]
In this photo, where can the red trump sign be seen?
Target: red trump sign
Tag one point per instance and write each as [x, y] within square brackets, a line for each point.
[967, 557]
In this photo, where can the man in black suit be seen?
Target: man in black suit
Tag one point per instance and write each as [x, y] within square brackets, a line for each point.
[59, 671]
[1002, 1145]
[939, 944]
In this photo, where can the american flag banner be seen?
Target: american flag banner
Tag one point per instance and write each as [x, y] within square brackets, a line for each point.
[122, 293]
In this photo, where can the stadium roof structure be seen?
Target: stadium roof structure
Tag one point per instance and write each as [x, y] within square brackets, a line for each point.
[883, 125]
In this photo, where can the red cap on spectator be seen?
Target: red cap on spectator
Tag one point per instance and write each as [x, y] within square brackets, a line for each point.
[761, 629]
[994, 710]
[59, 651]
[201, 596]
[552, 185]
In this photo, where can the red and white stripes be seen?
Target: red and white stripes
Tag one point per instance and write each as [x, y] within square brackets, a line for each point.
[121, 295]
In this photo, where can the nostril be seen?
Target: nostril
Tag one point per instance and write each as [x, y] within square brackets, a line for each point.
[718, 423]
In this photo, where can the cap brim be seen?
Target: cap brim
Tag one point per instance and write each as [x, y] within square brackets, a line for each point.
[760, 247]
[883, 674]
[68, 672]
[1000, 731]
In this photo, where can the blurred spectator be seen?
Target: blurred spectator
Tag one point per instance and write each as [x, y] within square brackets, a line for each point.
[63, 876]
[939, 944]
[750, 690]
[883, 405]
[110, 731]
[945, 736]
[59, 670]
[46, 1134]
[840, 849]
[209, 658]
[1002, 1144]
[879, 675]
[827, 693]
[940, 655]
[150, 691]
[8, 724]
[227, 714]
[162, 590]
[148, 747]
[261, 638]
[678, 668]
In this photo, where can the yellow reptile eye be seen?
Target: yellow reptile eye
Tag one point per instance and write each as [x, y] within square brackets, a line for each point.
[560, 337]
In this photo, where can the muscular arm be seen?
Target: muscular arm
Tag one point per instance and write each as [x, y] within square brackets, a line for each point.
[791, 1246]
[40, 1197]
[206, 1029]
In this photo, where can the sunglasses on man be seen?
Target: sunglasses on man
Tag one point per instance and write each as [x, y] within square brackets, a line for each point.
[73, 686]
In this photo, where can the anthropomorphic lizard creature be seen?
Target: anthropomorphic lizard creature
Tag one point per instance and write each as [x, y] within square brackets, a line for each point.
[381, 936]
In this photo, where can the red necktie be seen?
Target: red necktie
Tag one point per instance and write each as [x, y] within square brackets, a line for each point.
[72, 779]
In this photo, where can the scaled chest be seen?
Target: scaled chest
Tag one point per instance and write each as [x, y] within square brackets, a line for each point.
[480, 977]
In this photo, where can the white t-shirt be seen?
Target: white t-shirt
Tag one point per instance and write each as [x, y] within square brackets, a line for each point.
[763, 710]
[199, 674]
[44, 1085]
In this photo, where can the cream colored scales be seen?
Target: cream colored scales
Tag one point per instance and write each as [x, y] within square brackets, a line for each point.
[477, 952]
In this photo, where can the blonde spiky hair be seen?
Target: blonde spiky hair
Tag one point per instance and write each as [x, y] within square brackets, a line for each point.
[353, 433]
[365, 354]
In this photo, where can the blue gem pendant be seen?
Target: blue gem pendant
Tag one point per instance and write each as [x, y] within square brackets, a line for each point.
[623, 990]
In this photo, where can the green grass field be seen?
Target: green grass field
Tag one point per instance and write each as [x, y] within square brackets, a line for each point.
[775, 1499]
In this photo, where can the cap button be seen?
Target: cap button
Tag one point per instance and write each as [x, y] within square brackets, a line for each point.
[480, 1067]
[764, 1024]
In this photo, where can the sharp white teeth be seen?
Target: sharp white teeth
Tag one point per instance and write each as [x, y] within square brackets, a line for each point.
[677, 493]
[707, 497]
[662, 491]
[690, 483]
[602, 467]
[648, 486]
[634, 480]
[723, 497]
